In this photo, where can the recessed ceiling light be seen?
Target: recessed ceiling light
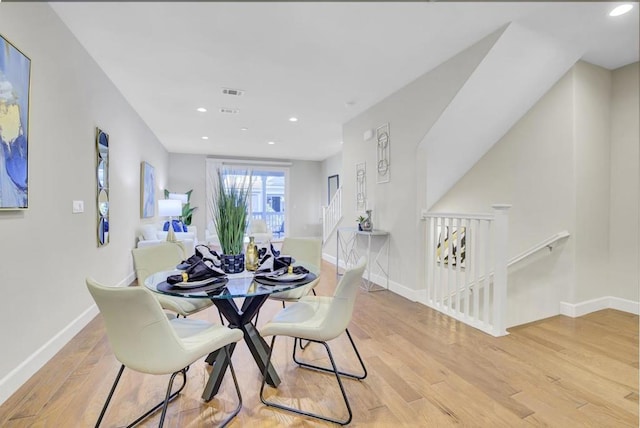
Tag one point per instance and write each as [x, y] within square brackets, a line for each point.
[205, 137]
[621, 10]
[244, 129]
[201, 109]
[293, 119]
[271, 142]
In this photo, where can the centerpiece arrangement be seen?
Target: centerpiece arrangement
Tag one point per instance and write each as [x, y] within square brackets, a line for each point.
[229, 205]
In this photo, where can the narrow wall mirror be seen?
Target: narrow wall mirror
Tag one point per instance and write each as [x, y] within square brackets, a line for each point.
[334, 184]
[102, 186]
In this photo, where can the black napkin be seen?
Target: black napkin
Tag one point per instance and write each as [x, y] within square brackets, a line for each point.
[201, 270]
[270, 263]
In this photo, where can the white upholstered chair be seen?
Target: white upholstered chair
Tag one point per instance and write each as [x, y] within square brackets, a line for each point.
[161, 257]
[259, 230]
[145, 340]
[318, 319]
[307, 252]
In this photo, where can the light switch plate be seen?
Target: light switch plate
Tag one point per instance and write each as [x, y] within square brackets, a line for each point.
[78, 207]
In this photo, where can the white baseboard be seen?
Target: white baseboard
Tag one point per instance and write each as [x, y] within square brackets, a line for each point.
[19, 375]
[574, 310]
[395, 287]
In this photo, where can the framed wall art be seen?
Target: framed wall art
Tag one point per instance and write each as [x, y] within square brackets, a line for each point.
[102, 189]
[15, 73]
[361, 186]
[147, 190]
[383, 142]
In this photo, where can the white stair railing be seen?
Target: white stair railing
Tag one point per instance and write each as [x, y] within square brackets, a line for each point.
[464, 249]
[331, 214]
[548, 243]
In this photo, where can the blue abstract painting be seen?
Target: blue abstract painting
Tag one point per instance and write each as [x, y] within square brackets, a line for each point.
[15, 70]
[148, 190]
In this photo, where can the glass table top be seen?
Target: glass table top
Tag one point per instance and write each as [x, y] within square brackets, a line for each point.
[237, 285]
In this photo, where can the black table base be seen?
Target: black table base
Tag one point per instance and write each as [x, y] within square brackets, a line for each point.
[241, 319]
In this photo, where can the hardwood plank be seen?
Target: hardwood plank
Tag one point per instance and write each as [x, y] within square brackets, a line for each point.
[425, 369]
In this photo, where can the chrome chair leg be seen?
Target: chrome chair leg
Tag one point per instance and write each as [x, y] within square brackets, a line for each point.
[323, 369]
[302, 412]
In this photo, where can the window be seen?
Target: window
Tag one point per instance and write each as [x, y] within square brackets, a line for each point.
[267, 188]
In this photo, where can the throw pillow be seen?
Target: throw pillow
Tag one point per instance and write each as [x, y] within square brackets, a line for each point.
[149, 232]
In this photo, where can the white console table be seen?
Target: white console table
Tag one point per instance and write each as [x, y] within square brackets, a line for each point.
[347, 246]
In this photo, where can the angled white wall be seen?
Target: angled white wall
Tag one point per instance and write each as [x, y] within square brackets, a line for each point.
[410, 111]
[518, 69]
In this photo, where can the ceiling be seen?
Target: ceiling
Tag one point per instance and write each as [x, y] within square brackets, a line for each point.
[323, 63]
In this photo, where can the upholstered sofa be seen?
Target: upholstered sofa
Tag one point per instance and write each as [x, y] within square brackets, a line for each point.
[152, 234]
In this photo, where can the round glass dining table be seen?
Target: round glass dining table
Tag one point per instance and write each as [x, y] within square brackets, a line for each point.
[223, 293]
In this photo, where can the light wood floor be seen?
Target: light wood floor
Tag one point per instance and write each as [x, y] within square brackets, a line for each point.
[424, 370]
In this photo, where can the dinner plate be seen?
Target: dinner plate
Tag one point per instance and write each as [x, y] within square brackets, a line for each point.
[287, 277]
[194, 284]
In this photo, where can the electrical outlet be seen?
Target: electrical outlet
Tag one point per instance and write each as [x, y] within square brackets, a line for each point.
[78, 207]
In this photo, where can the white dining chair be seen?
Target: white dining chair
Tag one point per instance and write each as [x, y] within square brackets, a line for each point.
[162, 257]
[144, 339]
[318, 319]
[308, 253]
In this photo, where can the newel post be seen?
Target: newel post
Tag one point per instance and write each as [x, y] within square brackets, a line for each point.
[501, 234]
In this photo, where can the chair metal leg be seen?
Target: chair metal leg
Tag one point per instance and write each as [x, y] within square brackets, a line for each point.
[302, 412]
[166, 401]
[113, 388]
[324, 369]
[162, 404]
[235, 382]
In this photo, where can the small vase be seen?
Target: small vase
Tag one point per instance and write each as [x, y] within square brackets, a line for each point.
[232, 263]
[251, 255]
[367, 224]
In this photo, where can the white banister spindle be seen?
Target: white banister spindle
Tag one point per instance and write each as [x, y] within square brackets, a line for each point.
[469, 291]
[501, 233]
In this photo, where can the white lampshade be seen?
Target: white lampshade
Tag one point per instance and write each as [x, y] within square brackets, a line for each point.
[182, 197]
[169, 208]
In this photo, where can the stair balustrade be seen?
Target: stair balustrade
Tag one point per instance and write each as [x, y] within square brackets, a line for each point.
[465, 249]
[331, 215]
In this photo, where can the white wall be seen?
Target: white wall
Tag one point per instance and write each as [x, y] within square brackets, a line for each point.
[305, 193]
[531, 169]
[46, 251]
[624, 214]
[187, 171]
[554, 167]
[396, 205]
[592, 92]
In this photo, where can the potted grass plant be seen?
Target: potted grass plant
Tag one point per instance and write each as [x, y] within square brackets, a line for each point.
[230, 219]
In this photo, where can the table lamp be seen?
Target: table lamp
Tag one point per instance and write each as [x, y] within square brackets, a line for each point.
[170, 208]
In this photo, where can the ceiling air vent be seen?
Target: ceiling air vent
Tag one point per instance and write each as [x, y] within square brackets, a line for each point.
[229, 110]
[231, 91]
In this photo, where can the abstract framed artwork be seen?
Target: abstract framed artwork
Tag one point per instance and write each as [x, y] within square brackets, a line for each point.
[454, 244]
[15, 73]
[147, 190]
[383, 140]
